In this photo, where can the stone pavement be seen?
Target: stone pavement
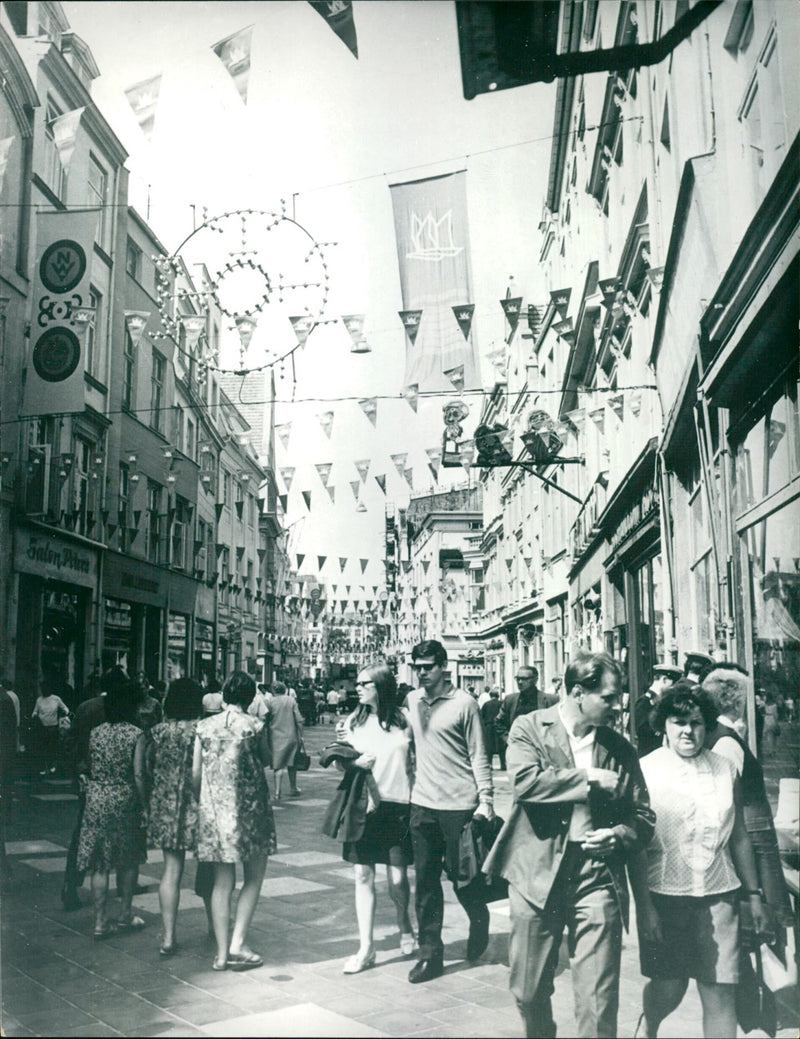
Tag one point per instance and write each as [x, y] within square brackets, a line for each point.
[56, 981]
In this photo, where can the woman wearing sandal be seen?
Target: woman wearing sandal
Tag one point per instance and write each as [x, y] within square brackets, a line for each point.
[378, 729]
[113, 835]
[235, 822]
[172, 822]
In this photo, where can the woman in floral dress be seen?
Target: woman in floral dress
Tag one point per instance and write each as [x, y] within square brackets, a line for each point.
[113, 835]
[173, 809]
[235, 822]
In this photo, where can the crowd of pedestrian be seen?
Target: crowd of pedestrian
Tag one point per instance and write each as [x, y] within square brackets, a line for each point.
[682, 820]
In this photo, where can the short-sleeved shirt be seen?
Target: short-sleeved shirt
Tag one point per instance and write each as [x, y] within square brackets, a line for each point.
[693, 799]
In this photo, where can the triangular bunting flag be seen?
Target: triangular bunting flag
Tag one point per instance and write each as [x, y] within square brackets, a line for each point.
[411, 320]
[218, 507]
[511, 309]
[354, 323]
[321, 562]
[381, 482]
[303, 326]
[65, 132]
[399, 462]
[331, 493]
[425, 564]
[409, 477]
[307, 499]
[411, 394]
[464, 318]
[284, 431]
[363, 563]
[339, 16]
[135, 324]
[324, 470]
[245, 326]
[362, 467]
[456, 376]
[342, 563]
[406, 566]
[325, 419]
[193, 326]
[355, 485]
[369, 405]
[287, 475]
[143, 99]
[434, 456]
[284, 500]
[234, 53]
[300, 558]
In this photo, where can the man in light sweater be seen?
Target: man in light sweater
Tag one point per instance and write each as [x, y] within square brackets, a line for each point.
[453, 783]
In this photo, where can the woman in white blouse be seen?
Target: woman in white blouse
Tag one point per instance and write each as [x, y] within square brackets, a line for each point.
[700, 864]
[378, 729]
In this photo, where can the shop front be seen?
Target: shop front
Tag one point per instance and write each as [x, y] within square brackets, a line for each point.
[134, 600]
[56, 631]
[750, 388]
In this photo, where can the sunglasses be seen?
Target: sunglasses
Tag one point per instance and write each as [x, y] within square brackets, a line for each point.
[424, 667]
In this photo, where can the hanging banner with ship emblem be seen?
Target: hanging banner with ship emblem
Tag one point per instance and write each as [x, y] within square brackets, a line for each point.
[433, 252]
[61, 313]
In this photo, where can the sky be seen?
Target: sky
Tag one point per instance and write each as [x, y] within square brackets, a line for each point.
[327, 133]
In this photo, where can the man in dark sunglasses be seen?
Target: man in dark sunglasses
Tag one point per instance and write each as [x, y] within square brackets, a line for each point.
[453, 783]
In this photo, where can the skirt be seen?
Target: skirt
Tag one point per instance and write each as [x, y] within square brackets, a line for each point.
[386, 837]
[701, 939]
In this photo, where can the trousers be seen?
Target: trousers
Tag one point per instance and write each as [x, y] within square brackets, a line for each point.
[434, 838]
[583, 900]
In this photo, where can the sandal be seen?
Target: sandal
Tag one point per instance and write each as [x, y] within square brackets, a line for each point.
[216, 965]
[107, 932]
[136, 923]
[244, 960]
[358, 963]
[168, 950]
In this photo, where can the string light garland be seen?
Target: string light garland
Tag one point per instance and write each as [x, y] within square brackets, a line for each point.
[430, 394]
[278, 264]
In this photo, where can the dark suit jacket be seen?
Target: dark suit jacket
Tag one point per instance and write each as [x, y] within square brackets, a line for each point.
[508, 713]
[546, 784]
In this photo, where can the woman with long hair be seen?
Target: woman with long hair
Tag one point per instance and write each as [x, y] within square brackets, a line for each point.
[689, 881]
[172, 822]
[235, 822]
[113, 834]
[378, 729]
[286, 735]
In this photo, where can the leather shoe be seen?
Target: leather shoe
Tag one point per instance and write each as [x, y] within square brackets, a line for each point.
[478, 934]
[426, 970]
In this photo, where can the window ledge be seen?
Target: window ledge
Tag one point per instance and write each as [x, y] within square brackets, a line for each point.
[94, 383]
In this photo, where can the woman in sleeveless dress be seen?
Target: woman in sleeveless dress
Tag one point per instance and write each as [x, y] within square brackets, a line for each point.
[235, 821]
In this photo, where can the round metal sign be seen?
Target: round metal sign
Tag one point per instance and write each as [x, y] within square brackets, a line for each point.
[62, 266]
[56, 354]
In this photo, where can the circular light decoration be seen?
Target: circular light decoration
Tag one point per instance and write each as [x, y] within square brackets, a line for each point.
[261, 271]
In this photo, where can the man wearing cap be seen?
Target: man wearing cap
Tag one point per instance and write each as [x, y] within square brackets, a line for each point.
[664, 675]
[697, 666]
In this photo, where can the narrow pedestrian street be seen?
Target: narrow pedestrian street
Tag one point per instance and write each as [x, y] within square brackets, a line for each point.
[56, 981]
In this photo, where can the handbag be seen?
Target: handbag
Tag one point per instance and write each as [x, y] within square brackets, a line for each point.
[755, 1003]
[302, 760]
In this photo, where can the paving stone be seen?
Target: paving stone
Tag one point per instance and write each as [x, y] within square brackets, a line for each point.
[298, 1021]
[33, 848]
[302, 859]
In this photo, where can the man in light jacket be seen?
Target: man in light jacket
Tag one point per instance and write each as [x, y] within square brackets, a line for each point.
[580, 806]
